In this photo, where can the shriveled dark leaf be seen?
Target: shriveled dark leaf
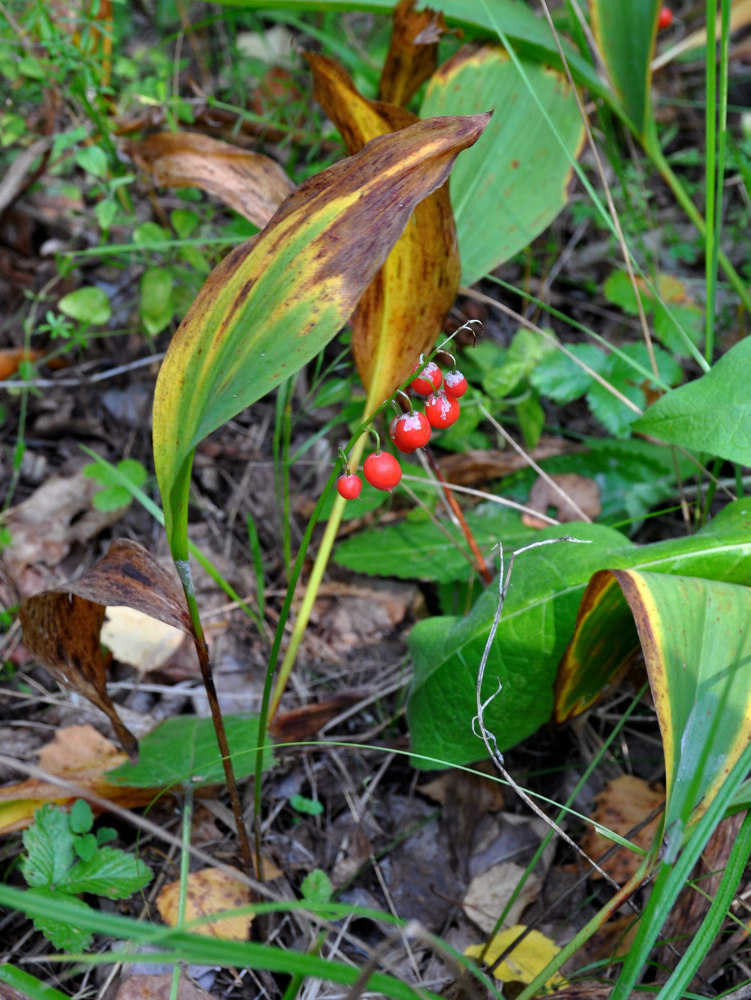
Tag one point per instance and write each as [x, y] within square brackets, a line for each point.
[413, 53]
[61, 627]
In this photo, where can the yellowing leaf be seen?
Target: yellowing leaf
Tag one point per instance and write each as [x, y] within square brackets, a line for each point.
[413, 51]
[209, 891]
[525, 962]
[253, 184]
[401, 312]
[274, 302]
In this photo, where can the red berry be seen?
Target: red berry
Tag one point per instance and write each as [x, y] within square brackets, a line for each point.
[382, 470]
[441, 410]
[454, 384]
[411, 431]
[665, 18]
[428, 380]
[349, 486]
[392, 435]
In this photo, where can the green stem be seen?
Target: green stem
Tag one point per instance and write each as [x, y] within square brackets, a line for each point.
[597, 921]
[683, 198]
[182, 902]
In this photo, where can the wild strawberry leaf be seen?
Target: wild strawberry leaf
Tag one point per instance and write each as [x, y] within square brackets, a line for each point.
[274, 302]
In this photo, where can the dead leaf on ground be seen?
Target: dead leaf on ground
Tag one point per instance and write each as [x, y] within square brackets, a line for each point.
[61, 627]
[489, 893]
[621, 805]
[576, 496]
[159, 988]
[413, 52]
[138, 639]
[468, 468]
[251, 183]
[303, 723]
[79, 754]
[44, 527]
[527, 959]
[11, 358]
[209, 891]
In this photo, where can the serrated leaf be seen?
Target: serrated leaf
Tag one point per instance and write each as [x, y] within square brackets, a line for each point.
[560, 378]
[537, 622]
[63, 935]
[184, 749]
[273, 304]
[515, 181]
[49, 846]
[109, 872]
[316, 886]
[87, 305]
[712, 413]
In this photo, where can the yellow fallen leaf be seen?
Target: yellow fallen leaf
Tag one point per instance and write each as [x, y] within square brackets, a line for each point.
[525, 962]
[209, 891]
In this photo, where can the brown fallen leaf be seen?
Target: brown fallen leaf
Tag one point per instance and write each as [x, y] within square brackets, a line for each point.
[413, 52]
[576, 495]
[159, 987]
[11, 358]
[253, 184]
[470, 467]
[44, 528]
[209, 891]
[79, 754]
[61, 627]
[621, 805]
[304, 722]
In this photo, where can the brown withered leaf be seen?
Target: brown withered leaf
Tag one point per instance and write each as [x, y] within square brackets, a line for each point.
[467, 468]
[159, 987]
[61, 627]
[251, 183]
[576, 495]
[413, 52]
[209, 891]
[401, 313]
[621, 805]
[81, 755]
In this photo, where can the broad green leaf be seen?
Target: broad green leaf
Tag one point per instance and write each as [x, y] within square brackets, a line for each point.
[156, 307]
[275, 301]
[712, 413]
[401, 312]
[422, 551]
[537, 623]
[696, 638]
[560, 378]
[184, 749]
[316, 886]
[514, 183]
[92, 159]
[87, 305]
[625, 31]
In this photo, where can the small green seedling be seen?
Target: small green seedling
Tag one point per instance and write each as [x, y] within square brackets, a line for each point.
[113, 495]
[66, 859]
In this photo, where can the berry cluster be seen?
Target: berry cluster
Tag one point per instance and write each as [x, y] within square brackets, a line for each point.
[411, 430]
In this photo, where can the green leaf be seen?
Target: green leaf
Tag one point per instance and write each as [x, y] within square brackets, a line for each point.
[317, 886]
[514, 182]
[93, 160]
[712, 413]
[49, 845]
[87, 305]
[560, 378]
[65, 935]
[28, 985]
[185, 749]
[311, 807]
[422, 552]
[625, 31]
[108, 872]
[537, 623]
[156, 307]
[81, 818]
[273, 303]
[85, 846]
[609, 410]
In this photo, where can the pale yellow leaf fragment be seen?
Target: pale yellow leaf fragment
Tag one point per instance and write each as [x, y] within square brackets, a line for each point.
[525, 962]
[209, 891]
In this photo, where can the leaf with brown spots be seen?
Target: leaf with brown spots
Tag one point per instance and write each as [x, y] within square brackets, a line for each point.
[401, 312]
[253, 184]
[273, 303]
[61, 627]
[209, 891]
[413, 52]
